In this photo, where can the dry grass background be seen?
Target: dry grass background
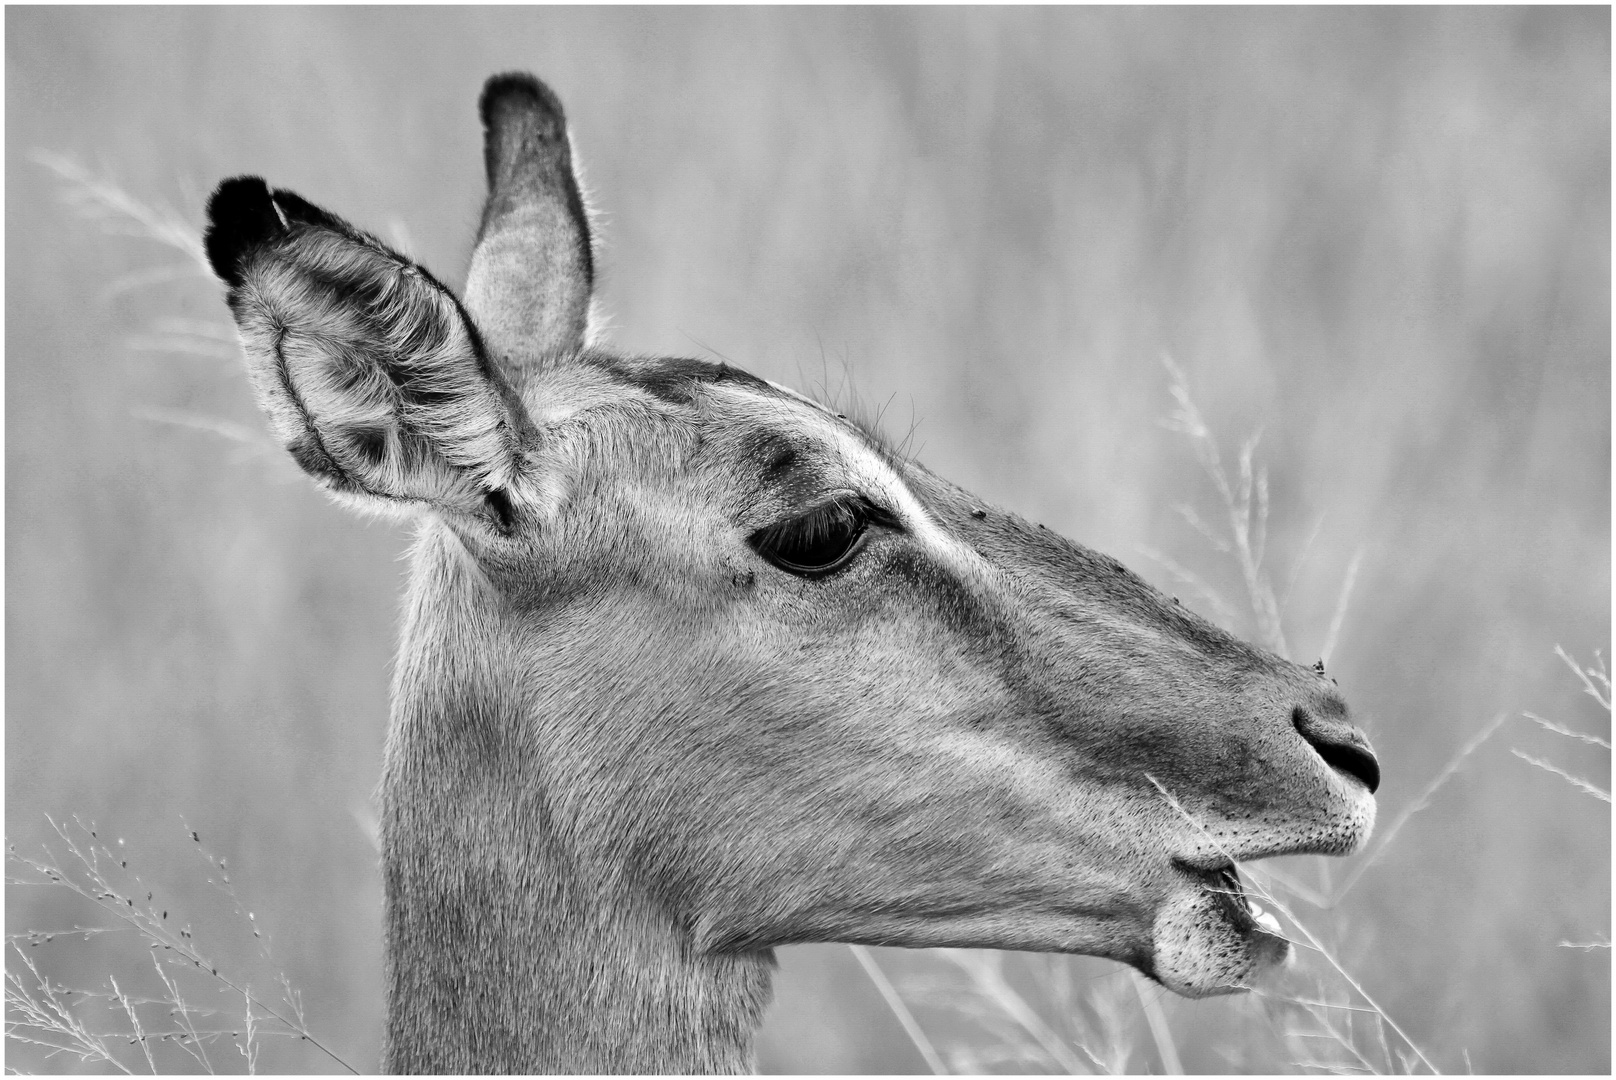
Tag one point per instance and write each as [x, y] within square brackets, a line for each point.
[1380, 236]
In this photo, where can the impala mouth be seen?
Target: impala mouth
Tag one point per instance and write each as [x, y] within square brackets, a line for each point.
[1223, 884]
[1211, 937]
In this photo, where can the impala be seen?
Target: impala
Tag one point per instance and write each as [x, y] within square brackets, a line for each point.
[692, 667]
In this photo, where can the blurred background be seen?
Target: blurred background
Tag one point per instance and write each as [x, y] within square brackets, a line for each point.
[1379, 237]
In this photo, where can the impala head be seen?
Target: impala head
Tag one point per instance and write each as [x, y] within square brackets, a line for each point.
[740, 657]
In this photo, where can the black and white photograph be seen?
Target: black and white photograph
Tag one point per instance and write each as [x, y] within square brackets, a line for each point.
[808, 540]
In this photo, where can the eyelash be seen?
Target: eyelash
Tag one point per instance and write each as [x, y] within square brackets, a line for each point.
[821, 541]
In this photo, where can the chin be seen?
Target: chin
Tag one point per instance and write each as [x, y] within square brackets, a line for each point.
[1209, 938]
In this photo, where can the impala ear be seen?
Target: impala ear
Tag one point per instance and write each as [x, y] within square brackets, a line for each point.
[369, 370]
[533, 271]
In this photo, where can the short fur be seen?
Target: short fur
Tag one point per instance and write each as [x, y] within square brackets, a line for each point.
[533, 270]
[629, 754]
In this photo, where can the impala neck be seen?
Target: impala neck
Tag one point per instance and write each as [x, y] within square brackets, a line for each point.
[496, 967]
[508, 950]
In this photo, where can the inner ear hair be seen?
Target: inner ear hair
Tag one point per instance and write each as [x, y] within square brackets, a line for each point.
[372, 373]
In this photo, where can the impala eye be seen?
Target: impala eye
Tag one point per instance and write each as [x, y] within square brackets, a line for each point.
[819, 542]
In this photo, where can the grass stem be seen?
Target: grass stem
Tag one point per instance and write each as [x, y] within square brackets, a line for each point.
[894, 1002]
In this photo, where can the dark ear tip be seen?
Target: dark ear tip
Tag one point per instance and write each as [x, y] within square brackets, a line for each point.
[518, 92]
[241, 215]
[244, 214]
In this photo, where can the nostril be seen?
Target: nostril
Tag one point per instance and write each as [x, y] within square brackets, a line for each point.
[1344, 752]
[1357, 763]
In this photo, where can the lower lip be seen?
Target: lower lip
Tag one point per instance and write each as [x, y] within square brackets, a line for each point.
[1232, 899]
[1210, 938]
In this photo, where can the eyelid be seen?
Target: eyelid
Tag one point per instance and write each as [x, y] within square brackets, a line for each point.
[861, 504]
[881, 515]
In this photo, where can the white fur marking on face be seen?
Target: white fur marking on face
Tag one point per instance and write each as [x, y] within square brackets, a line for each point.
[875, 477]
